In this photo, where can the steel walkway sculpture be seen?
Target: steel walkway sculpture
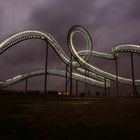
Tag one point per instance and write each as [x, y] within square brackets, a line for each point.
[79, 63]
[61, 73]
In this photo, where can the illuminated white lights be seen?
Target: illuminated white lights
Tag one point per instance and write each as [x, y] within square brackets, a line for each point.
[96, 76]
[63, 93]
[19, 76]
[55, 72]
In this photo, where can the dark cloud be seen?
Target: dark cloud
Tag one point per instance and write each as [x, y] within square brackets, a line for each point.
[60, 16]
[101, 19]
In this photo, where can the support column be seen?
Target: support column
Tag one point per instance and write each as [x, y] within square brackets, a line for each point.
[88, 84]
[117, 84]
[26, 85]
[76, 88]
[66, 82]
[71, 86]
[85, 83]
[105, 87]
[133, 76]
[46, 69]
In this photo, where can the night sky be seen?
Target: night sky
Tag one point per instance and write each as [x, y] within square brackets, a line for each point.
[110, 22]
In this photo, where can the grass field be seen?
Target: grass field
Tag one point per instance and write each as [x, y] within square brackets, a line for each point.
[25, 117]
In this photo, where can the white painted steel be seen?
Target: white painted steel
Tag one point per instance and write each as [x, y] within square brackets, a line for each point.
[80, 63]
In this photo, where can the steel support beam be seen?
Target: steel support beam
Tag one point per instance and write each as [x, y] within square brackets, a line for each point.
[26, 85]
[46, 69]
[105, 87]
[71, 70]
[66, 82]
[76, 87]
[88, 84]
[133, 76]
[117, 84]
[85, 83]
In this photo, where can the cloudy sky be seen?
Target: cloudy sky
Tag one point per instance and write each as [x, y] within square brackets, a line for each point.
[109, 22]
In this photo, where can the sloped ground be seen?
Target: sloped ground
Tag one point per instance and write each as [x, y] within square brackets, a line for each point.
[47, 118]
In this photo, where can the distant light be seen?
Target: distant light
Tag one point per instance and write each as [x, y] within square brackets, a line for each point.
[59, 93]
[67, 93]
[63, 93]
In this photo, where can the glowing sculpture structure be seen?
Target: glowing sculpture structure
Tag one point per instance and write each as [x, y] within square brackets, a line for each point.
[95, 77]
[55, 72]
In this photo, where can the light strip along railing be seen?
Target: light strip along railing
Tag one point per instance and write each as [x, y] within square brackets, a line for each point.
[79, 61]
[61, 73]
